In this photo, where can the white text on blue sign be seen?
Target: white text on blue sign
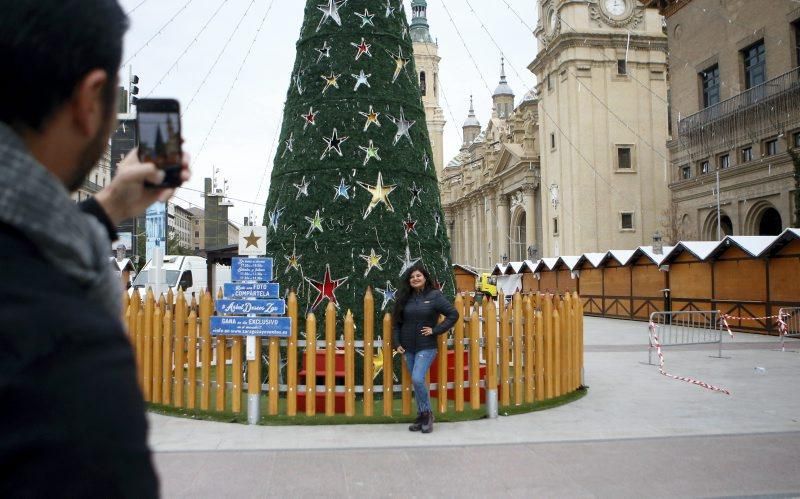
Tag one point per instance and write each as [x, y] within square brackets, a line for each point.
[243, 290]
[280, 327]
[251, 269]
[243, 307]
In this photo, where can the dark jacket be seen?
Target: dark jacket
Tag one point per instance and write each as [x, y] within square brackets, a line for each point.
[421, 310]
[72, 419]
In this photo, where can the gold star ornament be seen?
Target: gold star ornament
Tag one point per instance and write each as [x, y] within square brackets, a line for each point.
[380, 194]
[252, 240]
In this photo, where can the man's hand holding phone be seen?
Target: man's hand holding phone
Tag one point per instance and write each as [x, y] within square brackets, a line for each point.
[127, 196]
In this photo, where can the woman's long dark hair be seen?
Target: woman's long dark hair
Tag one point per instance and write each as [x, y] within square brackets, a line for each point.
[404, 291]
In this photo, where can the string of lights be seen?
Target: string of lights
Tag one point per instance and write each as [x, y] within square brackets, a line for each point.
[567, 211]
[235, 80]
[219, 56]
[158, 33]
[188, 47]
[596, 173]
[134, 9]
[607, 59]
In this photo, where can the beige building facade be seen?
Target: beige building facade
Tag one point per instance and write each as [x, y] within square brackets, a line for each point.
[426, 59]
[602, 105]
[98, 177]
[490, 190]
[735, 96]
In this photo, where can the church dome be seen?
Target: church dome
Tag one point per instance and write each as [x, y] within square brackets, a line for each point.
[503, 88]
[472, 120]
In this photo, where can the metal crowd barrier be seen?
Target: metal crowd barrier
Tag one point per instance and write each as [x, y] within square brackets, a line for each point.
[702, 327]
[791, 316]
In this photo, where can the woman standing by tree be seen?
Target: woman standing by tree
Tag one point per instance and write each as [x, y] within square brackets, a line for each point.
[415, 318]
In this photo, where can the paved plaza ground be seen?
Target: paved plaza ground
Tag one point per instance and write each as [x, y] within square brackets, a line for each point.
[636, 434]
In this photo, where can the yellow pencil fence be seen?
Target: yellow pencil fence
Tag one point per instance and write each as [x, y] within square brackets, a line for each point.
[528, 348]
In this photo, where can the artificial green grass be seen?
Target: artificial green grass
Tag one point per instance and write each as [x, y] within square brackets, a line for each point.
[320, 418]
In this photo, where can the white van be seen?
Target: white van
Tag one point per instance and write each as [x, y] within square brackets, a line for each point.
[187, 272]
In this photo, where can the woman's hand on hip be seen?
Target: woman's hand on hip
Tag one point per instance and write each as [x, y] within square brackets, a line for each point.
[426, 331]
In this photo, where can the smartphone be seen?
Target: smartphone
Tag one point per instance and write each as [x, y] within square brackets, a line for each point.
[158, 129]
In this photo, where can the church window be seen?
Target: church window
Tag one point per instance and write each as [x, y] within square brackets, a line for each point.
[552, 140]
[622, 67]
[422, 83]
[549, 82]
[435, 84]
[624, 158]
[555, 226]
[626, 221]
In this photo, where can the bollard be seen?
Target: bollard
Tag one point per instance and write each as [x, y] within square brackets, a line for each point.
[491, 403]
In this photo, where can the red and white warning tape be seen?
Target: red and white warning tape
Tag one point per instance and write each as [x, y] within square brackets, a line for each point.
[780, 319]
[657, 343]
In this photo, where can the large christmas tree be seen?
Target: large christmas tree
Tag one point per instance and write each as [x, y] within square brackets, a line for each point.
[354, 199]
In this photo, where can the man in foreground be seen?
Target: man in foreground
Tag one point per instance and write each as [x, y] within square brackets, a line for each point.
[72, 419]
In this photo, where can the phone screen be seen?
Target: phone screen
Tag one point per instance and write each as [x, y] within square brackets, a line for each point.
[160, 141]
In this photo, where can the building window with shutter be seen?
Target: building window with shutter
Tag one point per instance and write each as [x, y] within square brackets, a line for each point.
[704, 167]
[747, 154]
[686, 172]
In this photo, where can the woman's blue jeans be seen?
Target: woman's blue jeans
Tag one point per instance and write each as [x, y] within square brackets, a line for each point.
[418, 364]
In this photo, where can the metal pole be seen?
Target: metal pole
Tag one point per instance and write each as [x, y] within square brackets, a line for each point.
[719, 216]
[253, 400]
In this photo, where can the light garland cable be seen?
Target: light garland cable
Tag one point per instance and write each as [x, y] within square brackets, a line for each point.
[134, 9]
[235, 80]
[160, 30]
[561, 131]
[575, 219]
[607, 59]
[268, 167]
[588, 89]
[188, 47]
[219, 56]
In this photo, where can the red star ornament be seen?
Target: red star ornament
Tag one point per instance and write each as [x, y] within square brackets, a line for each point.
[326, 288]
[410, 225]
[363, 48]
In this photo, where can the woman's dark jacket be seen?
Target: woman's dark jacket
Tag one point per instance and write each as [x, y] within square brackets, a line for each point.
[421, 310]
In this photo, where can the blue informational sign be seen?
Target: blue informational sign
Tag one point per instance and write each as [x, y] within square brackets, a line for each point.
[156, 228]
[261, 290]
[251, 269]
[280, 327]
[243, 307]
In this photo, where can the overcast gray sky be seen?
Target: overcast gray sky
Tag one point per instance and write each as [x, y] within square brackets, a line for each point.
[241, 142]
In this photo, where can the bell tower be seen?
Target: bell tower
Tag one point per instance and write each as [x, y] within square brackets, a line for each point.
[426, 58]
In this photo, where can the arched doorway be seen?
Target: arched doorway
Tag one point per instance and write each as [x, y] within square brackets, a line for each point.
[770, 223]
[518, 238]
[710, 226]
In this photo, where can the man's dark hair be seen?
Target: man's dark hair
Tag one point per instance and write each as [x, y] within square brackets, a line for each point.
[47, 47]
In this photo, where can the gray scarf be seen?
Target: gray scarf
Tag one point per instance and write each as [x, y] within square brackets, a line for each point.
[35, 202]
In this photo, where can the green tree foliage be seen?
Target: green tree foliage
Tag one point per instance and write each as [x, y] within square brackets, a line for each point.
[354, 189]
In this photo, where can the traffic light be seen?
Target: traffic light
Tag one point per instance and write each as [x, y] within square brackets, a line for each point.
[134, 89]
